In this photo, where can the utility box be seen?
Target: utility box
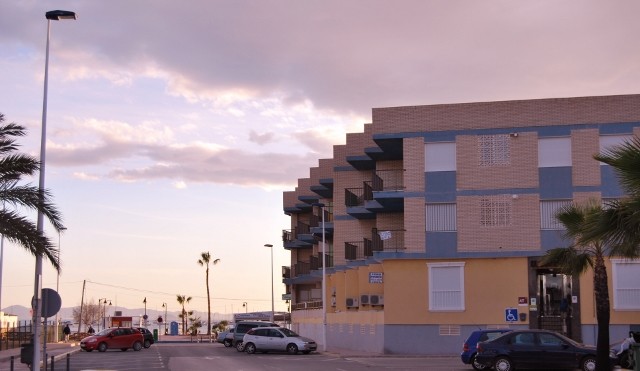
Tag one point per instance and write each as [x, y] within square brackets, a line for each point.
[174, 328]
[26, 353]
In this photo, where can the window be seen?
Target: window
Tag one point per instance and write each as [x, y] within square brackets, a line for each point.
[548, 211]
[626, 286]
[440, 157]
[554, 152]
[495, 211]
[446, 286]
[495, 150]
[441, 217]
[609, 141]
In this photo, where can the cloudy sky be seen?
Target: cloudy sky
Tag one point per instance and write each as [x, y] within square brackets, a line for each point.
[174, 127]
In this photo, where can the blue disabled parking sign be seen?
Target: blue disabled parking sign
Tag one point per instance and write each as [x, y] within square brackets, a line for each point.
[511, 314]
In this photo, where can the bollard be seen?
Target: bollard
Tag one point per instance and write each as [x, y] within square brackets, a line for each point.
[635, 348]
[11, 364]
[53, 359]
[68, 361]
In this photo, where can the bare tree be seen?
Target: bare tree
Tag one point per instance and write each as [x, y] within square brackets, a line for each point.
[90, 313]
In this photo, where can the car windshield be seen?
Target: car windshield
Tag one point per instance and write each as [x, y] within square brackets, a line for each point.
[288, 333]
[104, 332]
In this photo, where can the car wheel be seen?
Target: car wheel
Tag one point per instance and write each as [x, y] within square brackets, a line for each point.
[137, 346]
[147, 343]
[250, 348]
[503, 364]
[588, 363]
[476, 365]
[227, 343]
[102, 347]
[240, 346]
[292, 349]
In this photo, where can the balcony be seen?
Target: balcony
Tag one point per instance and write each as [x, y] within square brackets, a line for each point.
[299, 237]
[387, 240]
[308, 271]
[383, 193]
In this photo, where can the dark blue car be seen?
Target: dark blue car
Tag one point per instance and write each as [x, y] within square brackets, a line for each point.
[468, 354]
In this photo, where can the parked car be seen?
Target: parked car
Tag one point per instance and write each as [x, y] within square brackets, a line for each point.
[264, 339]
[468, 354]
[243, 327]
[147, 335]
[113, 338]
[535, 349]
[226, 337]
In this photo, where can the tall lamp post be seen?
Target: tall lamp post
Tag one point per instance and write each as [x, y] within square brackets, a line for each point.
[165, 306]
[58, 278]
[54, 15]
[272, 297]
[104, 311]
[324, 282]
[145, 311]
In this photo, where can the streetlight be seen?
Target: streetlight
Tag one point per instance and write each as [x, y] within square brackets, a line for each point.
[55, 15]
[145, 311]
[324, 282]
[58, 278]
[272, 297]
[246, 306]
[104, 311]
[165, 306]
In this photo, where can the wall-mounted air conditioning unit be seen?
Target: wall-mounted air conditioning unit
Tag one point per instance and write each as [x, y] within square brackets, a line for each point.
[333, 301]
[364, 299]
[376, 300]
[352, 302]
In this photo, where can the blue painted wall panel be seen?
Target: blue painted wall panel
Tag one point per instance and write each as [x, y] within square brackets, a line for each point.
[441, 244]
[555, 183]
[440, 186]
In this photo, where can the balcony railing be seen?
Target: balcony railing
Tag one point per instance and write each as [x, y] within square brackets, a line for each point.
[388, 180]
[314, 304]
[354, 197]
[387, 240]
[314, 263]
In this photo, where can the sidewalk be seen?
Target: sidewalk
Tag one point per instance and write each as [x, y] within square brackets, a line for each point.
[57, 350]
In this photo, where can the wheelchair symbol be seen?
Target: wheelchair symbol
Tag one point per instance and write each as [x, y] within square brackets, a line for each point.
[511, 315]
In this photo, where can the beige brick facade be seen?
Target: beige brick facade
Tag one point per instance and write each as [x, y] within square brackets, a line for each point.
[585, 170]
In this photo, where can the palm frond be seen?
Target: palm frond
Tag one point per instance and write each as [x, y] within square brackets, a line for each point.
[568, 259]
[625, 159]
[20, 230]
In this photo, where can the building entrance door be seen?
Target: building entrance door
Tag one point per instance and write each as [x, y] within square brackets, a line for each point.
[555, 301]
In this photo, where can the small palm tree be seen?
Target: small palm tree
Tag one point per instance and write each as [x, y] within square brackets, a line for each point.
[182, 300]
[585, 253]
[16, 228]
[205, 259]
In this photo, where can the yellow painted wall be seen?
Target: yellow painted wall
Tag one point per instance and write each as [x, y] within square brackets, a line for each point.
[491, 286]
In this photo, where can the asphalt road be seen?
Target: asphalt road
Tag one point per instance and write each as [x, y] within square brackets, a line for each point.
[200, 357]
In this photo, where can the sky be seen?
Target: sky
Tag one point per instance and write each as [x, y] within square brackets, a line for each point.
[174, 127]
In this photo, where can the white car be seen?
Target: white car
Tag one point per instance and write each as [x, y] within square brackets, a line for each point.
[264, 339]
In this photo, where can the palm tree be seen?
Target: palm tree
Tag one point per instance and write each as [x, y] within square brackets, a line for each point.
[604, 231]
[582, 254]
[620, 221]
[182, 300]
[16, 228]
[205, 259]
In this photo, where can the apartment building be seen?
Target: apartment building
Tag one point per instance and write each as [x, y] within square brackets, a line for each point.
[433, 220]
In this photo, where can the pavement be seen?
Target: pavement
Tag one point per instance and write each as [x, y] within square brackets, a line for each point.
[59, 351]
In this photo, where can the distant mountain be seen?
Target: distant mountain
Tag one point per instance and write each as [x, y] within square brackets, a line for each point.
[66, 314]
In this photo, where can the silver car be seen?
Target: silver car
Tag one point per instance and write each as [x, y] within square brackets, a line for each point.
[264, 339]
[226, 337]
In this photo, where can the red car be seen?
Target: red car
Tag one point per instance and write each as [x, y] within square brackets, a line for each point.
[113, 338]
